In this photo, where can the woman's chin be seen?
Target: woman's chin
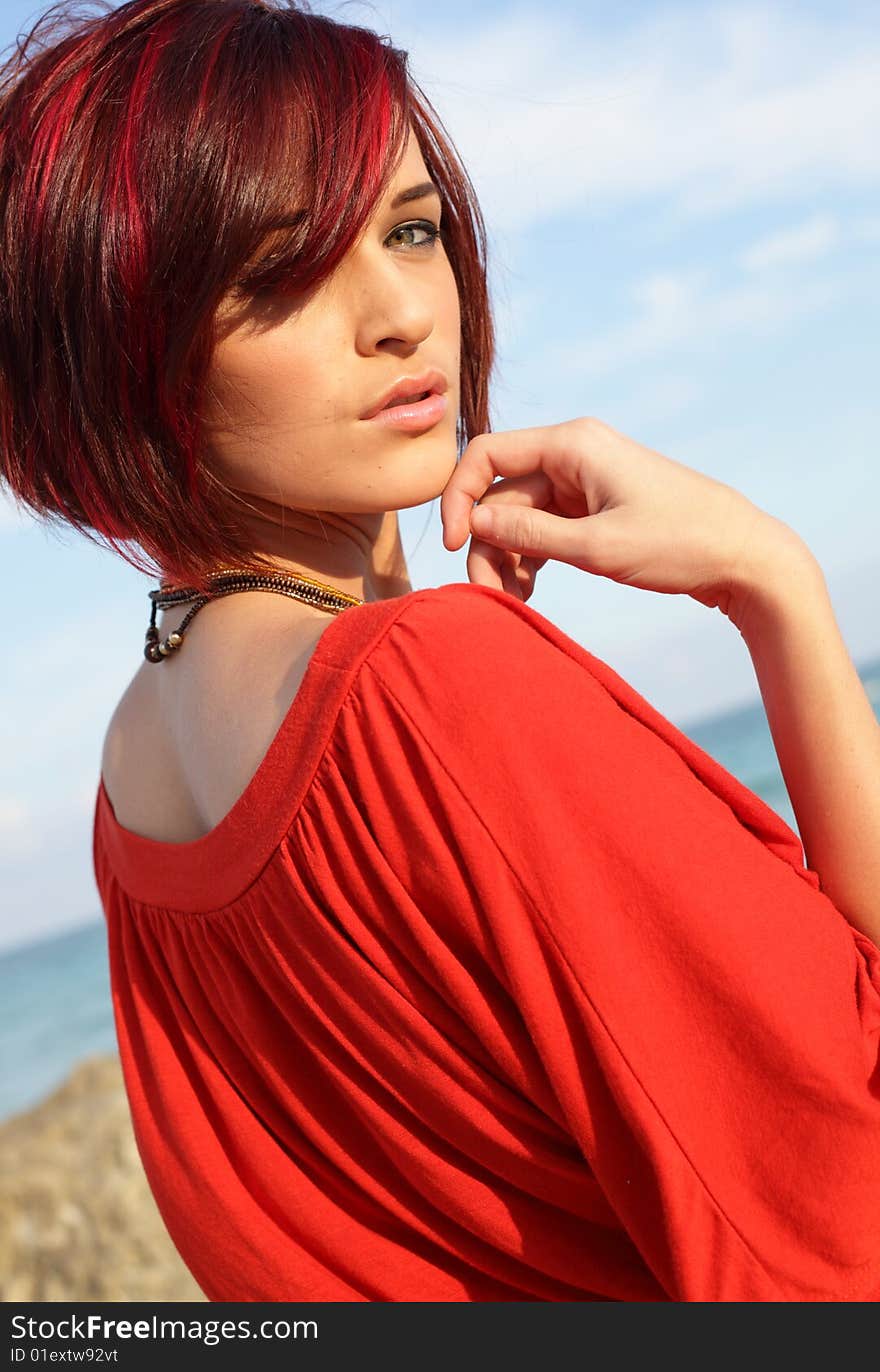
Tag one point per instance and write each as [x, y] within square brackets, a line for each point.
[422, 481]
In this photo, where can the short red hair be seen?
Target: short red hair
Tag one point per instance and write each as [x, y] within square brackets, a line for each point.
[147, 156]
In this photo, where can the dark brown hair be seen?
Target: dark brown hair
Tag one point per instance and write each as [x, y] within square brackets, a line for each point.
[145, 154]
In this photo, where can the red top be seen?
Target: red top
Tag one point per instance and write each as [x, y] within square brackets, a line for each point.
[492, 985]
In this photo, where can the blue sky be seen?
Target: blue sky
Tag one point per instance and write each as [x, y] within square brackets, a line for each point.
[683, 208]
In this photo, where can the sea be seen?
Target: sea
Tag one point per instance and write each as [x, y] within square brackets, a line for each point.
[55, 1006]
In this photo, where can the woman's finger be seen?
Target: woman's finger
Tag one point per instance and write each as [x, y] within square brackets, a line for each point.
[502, 568]
[485, 559]
[526, 575]
[509, 580]
[484, 564]
[514, 453]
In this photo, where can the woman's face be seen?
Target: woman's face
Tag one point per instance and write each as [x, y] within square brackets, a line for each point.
[288, 393]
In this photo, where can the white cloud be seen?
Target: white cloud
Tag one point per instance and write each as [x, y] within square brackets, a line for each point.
[802, 243]
[713, 108]
[662, 397]
[18, 832]
[677, 309]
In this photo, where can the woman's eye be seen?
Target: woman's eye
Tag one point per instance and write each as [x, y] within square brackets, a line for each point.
[434, 233]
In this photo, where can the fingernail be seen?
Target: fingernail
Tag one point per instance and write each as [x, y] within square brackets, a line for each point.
[481, 521]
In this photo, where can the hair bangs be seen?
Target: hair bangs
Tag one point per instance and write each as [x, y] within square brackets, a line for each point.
[303, 192]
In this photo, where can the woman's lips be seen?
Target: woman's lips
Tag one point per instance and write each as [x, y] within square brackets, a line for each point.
[413, 417]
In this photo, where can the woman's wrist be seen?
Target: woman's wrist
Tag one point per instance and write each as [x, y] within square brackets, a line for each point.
[778, 573]
[824, 729]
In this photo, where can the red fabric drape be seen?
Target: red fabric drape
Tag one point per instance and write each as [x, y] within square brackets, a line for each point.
[493, 985]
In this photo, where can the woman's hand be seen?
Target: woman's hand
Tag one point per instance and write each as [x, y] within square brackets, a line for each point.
[582, 493]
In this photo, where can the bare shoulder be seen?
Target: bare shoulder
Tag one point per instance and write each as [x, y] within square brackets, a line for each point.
[188, 734]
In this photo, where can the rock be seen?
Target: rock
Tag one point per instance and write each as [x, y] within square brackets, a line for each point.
[77, 1219]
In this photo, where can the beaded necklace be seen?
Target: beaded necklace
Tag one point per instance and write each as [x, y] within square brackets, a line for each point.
[226, 581]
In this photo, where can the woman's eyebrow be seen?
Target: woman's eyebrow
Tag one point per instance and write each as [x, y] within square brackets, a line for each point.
[415, 193]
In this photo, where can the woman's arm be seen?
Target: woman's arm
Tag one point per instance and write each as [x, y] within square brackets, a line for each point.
[824, 729]
[389, 573]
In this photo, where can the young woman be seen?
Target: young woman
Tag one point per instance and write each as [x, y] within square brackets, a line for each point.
[444, 967]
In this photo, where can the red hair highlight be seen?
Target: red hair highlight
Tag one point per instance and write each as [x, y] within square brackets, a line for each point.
[156, 160]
